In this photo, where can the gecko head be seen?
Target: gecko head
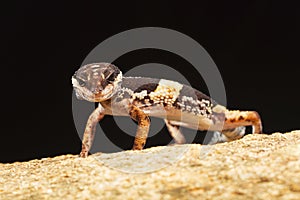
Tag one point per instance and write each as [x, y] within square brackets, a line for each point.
[97, 82]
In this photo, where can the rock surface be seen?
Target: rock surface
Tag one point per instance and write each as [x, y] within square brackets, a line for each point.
[255, 167]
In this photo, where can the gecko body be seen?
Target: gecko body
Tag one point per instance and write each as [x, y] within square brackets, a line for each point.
[142, 97]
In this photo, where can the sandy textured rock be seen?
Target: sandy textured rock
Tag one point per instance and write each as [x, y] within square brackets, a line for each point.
[255, 167]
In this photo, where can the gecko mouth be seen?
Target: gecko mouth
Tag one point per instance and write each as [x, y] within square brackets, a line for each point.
[84, 94]
[107, 93]
[80, 94]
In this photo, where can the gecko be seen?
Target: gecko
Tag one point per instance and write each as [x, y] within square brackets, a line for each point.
[140, 98]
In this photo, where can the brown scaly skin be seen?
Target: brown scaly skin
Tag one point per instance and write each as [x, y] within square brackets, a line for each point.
[143, 127]
[90, 130]
[139, 98]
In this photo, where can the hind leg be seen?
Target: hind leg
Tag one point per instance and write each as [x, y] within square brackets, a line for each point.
[227, 135]
[234, 125]
[175, 132]
[236, 118]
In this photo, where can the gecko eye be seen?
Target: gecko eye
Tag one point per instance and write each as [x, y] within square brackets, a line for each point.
[81, 82]
[108, 74]
[110, 78]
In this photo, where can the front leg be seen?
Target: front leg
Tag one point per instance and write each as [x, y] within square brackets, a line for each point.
[90, 130]
[143, 127]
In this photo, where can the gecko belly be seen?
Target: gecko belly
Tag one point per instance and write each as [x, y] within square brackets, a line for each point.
[180, 118]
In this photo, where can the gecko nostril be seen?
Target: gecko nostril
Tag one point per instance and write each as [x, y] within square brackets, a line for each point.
[95, 91]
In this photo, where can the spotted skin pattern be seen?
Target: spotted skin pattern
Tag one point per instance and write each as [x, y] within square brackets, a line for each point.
[141, 97]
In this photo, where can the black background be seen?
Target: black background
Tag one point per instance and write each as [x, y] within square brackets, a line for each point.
[255, 45]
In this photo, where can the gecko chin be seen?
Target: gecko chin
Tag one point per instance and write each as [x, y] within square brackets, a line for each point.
[103, 96]
[84, 94]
